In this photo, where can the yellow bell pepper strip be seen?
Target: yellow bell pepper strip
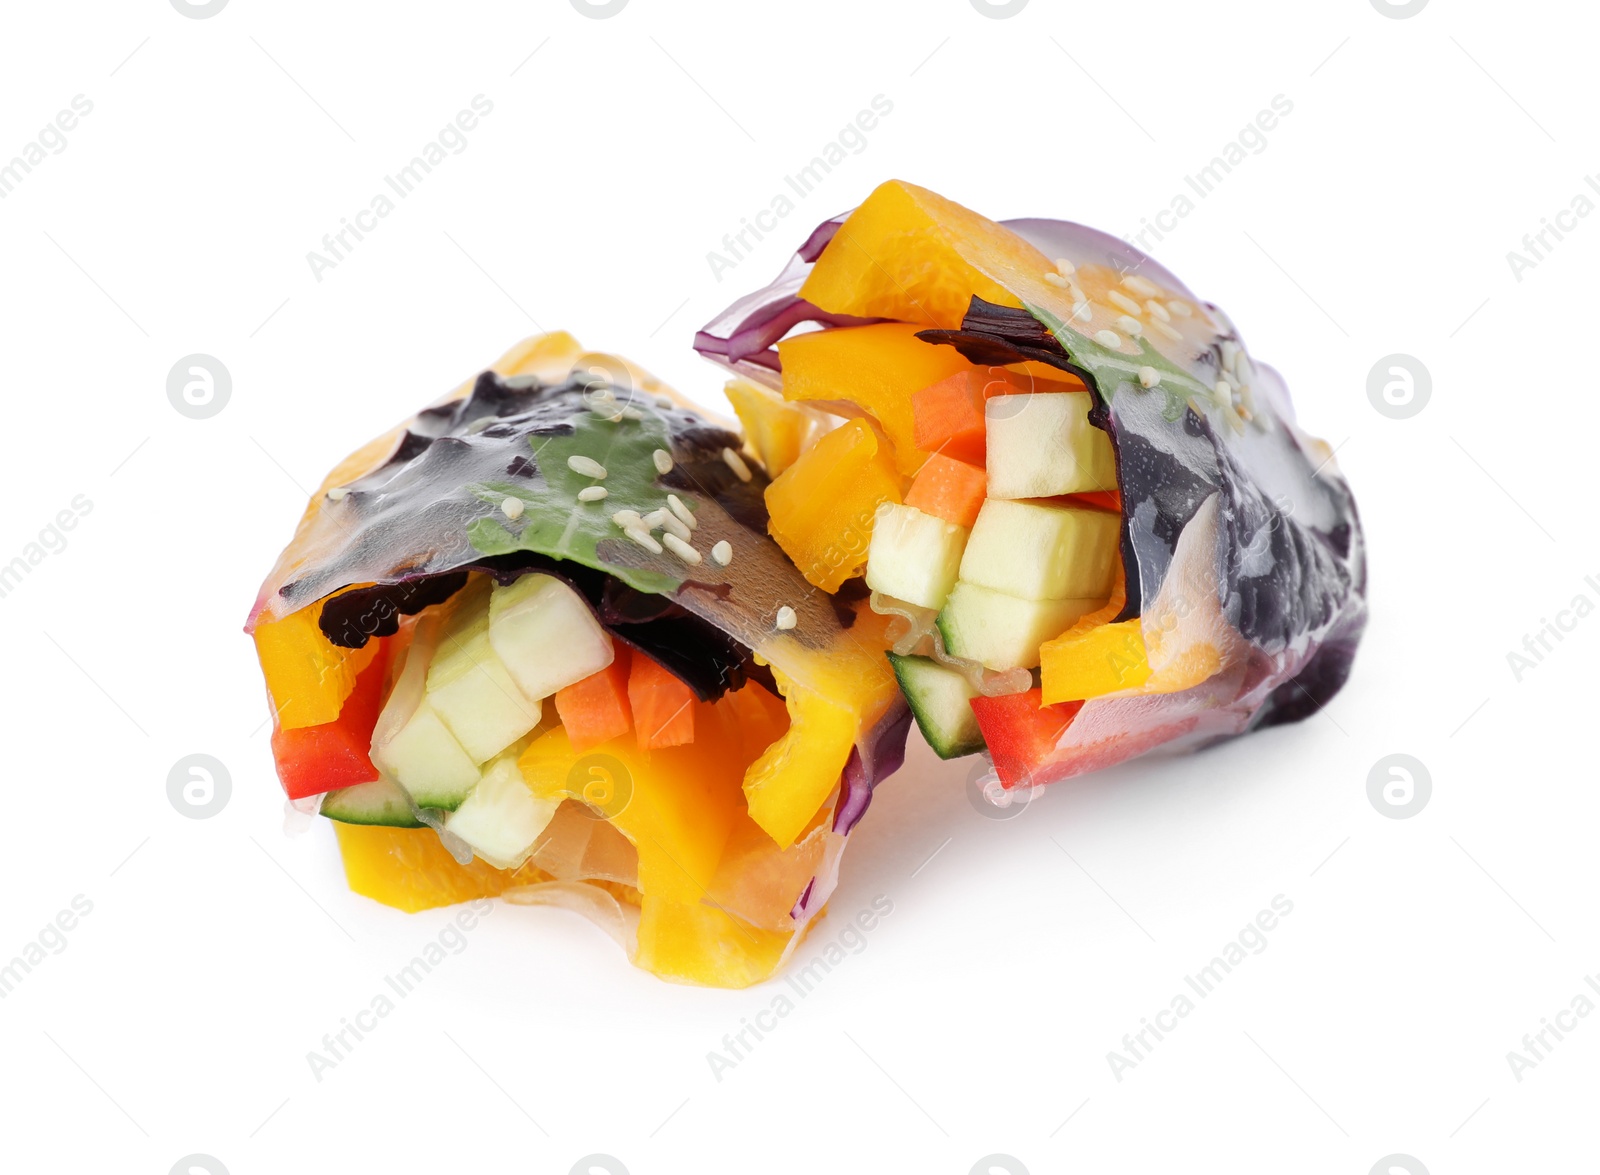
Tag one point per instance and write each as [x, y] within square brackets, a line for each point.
[822, 508]
[1103, 659]
[409, 869]
[308, 676]
[777, 430]
[878, 368]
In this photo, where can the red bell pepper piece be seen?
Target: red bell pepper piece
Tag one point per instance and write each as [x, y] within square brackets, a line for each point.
[316, 759]
[1021, 732]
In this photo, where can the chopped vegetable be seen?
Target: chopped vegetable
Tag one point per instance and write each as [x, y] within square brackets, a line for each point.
[316, 759]
[877, 368]
[949, 489]
[1001, 631]
[1087, 664]
[786, 787]
[1041, 444]
[308, 676]
[1042, 551]
[914, 556]
[595, 710]
[663, 707]
[777, 430]
[939, 698]
[823, 506]
[409, 869]
[1021, 732]
[909, 254]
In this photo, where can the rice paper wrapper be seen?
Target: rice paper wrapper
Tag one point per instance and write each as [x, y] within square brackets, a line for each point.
[1242, 548]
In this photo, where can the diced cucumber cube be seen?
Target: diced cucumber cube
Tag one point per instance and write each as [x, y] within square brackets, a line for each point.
[424, 758]
[1041, 444]
[939, 697]
[914, 556]
[1042, 551]
[470, 688]
[502, 818]
[383, 801]
[546, 635]
[1001, 631]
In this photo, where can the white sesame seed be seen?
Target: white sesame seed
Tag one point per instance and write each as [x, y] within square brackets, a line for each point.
[1149, 377]
[1056, 279]
[663, 460]
[1107, 338]
[1157, 310]
[685, 515]
[663, 402]
[630, 414]
[786, 618]
[1181, 309]
[670, 524]
[1076, 294]
[644, 538]
[626, 518]
[513, 507]
[521, 383]
[1066, 266]
[1167, 330]
[736, 463]
[1223, 393]
[653, 520]
[1081, 312]
[1140, 286]
[680, 548]
[587, 466]
[592, 493]
[337, 494]
[1130, 326]
[722, 553]
[1123, 302]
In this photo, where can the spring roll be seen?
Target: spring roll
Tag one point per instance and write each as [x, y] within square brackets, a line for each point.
[537, 643]
[1088, 507]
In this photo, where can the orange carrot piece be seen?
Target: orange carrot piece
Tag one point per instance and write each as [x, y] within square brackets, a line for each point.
[947, 417]
[596, 710]
[949, 489]
[663, 707]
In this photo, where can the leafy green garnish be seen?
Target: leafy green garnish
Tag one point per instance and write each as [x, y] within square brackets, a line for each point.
[554, 522]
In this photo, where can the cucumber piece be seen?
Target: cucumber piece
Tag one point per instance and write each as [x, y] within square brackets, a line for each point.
[1001, 631]
[424, 758]
[938, 696]
[1042, 551]
[1040, 444]
[546, 635]
[380, 802]
[469, 687]
[914, 556]
[502, 818]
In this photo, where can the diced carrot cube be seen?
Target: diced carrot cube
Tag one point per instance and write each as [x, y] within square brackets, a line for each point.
[949, 489]
[947, 417]
[663, 707]
[596, 710]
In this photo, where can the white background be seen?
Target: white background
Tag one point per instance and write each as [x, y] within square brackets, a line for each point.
[979, 1016]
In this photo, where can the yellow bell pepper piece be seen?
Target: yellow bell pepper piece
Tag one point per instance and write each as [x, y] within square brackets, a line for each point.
[691, 942]
[676, 805]
[308, 676]
[822, 507]
[909, 254]
[1101, 659]
[409, 869]
[788, 784]
[876, 367]
[775, 429]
